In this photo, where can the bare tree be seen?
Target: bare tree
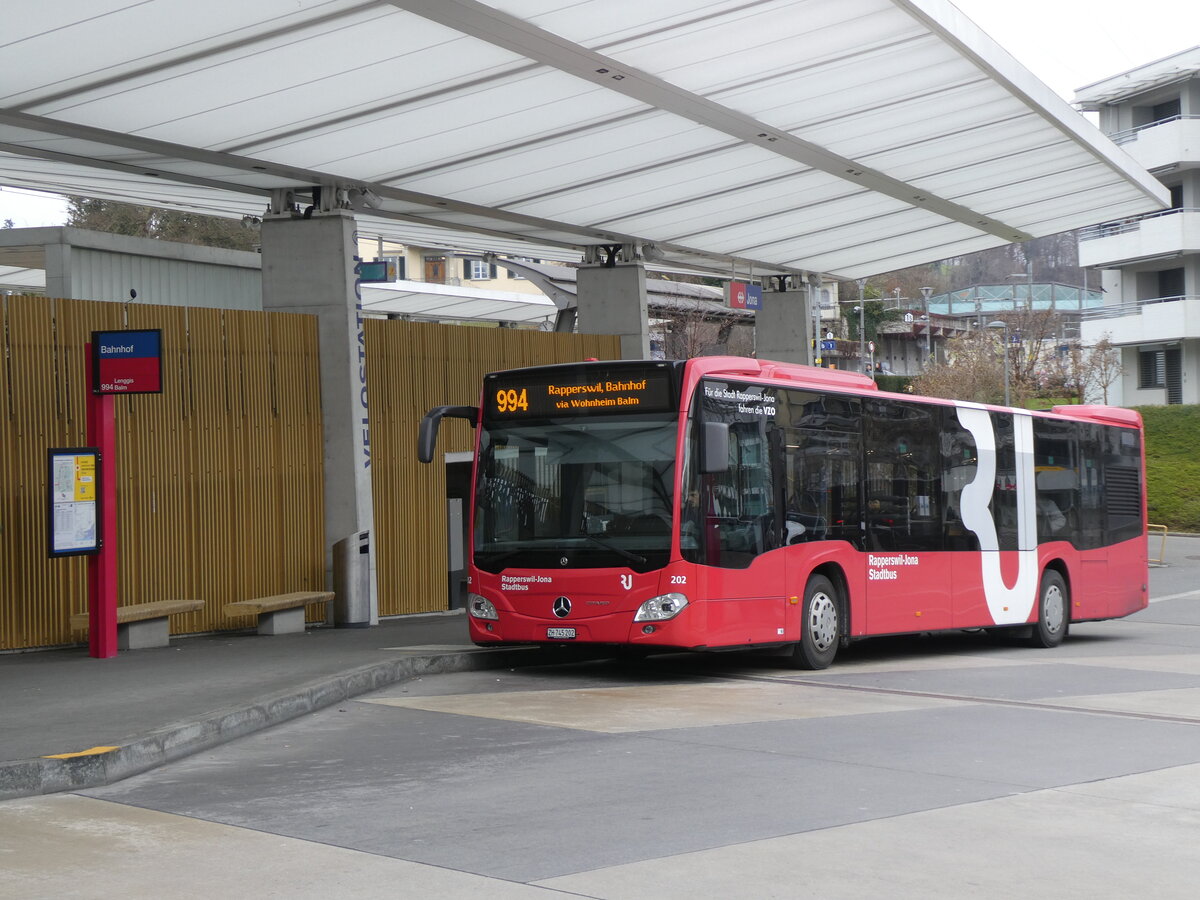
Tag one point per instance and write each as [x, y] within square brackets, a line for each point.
[973, 371]
[1024, 343]
[697, 328]
[1031, 344]
[1103, 367]
[1081, 371]
[1065, 372]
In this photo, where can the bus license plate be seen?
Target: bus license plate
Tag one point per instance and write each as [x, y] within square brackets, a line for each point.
[561, 634]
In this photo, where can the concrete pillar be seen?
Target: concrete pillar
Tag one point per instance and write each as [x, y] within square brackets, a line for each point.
[782, 329]
[612, 300]
[58, 270]
[308, 267]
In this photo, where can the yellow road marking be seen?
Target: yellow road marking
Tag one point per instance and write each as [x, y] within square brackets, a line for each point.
[94, 751]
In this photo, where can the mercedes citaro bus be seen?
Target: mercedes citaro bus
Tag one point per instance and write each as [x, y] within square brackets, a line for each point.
[721, 503]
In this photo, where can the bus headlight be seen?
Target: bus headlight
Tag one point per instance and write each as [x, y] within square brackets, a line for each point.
[481, 607]
[661, 608]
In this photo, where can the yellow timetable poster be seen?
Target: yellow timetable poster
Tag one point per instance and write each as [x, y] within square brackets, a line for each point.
[85, 477]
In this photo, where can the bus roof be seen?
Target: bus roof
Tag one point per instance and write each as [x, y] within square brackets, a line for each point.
[819, 378]
[812, 376]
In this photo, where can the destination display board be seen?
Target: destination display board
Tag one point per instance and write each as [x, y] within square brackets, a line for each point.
[73, 500]
[578, 391]
[127, 362]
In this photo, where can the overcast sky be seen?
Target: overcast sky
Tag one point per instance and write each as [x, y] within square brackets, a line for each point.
[1068, 44]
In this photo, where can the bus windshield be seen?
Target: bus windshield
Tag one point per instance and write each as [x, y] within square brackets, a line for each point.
[585, 492]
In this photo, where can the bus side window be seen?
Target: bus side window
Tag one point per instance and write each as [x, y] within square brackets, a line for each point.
[904, 475]
[1091, 486]
[730, 519]
[1056, 467]
[959, 465]
[1004, 492]
[822, 477]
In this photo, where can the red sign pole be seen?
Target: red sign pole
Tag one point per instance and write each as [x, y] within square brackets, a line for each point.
[102, 566]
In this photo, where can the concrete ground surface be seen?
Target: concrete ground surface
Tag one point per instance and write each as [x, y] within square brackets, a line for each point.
[945, 766]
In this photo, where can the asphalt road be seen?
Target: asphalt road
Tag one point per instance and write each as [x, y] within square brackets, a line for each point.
[950, 766]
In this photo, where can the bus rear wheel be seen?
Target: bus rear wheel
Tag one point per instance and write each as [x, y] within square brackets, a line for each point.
[820, 625]
[1054, 611]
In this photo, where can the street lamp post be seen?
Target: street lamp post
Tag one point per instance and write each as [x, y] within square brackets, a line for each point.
[862, 327]
[1004, 325]
[1028, 276]
[925, 294]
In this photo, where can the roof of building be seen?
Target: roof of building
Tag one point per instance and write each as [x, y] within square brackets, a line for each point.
[849, 137]
[1140, 80]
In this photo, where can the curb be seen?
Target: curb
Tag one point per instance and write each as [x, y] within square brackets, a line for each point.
[32, 777]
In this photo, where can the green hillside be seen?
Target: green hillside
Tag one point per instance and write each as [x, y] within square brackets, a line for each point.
[1173, 465]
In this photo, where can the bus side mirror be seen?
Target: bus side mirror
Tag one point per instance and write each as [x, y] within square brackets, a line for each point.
[714, 448]
[427, 437]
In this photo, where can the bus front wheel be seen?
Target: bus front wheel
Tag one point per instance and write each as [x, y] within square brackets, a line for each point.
[820, 625]
[1054, 611]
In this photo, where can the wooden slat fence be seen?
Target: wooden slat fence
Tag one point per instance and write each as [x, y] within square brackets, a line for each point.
[219, 477]
[412, 367]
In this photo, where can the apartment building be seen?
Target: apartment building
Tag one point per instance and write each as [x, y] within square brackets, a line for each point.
[1151, 264]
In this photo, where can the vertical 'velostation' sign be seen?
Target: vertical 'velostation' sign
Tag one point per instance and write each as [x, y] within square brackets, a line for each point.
[127, 362]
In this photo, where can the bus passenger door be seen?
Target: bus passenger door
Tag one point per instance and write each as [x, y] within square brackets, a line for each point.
[744, 574]
[822, 518]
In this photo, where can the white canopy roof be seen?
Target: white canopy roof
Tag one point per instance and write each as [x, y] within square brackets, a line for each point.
[842, 136]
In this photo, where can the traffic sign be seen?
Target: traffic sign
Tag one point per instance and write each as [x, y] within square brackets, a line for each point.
[127, 362]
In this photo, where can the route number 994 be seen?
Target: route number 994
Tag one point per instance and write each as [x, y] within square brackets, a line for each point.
[512, 400]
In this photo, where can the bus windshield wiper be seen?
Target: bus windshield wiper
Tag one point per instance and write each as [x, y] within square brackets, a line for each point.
[620, 551]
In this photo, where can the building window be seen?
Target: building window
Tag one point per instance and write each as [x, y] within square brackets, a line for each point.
[1152, 366]
[478, 270]
[1169, 110]
[1171, 283]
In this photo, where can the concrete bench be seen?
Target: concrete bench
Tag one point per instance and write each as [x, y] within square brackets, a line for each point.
[143, 625]
[281, 614]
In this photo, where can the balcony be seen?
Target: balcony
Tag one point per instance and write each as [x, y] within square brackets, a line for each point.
[1170, 233]
[1169, 142]
[1160, 320]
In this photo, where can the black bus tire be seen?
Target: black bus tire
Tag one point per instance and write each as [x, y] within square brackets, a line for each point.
[1054, 611]
[820, 625]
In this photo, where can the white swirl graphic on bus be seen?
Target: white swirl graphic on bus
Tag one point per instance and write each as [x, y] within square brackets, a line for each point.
[1008, 606]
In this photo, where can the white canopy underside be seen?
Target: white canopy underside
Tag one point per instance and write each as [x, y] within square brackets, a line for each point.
[848, 137]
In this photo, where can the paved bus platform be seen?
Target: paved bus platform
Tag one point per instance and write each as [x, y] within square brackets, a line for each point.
[68, 721]
[143, 708]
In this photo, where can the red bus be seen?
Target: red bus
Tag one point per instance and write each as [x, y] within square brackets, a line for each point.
[725, 503]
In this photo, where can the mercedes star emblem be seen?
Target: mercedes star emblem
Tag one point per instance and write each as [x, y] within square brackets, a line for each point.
[562, 607]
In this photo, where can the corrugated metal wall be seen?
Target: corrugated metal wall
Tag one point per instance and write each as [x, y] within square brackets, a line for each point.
[219, 477]
[108, 275]
[412, 367]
